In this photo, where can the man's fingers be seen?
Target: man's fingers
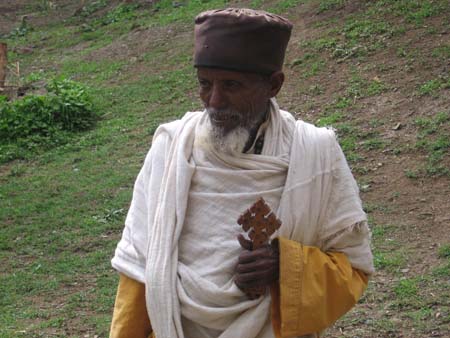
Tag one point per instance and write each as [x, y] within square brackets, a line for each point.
[245, 243]
[248, 280]
[251, 256]
[258, 265]
[255, 279]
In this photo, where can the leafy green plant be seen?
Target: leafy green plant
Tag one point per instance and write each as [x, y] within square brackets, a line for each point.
[73, 105]
[33, 77]
[44, 119]
[22, 30]
[412, 174]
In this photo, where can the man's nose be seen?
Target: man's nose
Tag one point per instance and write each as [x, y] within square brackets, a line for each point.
[217, 99]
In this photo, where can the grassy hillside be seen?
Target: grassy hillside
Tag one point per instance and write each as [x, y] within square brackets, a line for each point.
[377, 71]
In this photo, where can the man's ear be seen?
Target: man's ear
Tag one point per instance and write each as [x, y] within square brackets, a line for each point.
[276, 81]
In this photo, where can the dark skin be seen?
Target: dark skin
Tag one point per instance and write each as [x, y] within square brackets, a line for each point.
[259, 267]
[247, 95]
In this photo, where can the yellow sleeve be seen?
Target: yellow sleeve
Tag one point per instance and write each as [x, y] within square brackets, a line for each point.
[130, 318]
[315, 289]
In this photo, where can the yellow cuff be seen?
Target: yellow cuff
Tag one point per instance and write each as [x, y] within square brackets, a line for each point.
[314, 290]
[130, 318]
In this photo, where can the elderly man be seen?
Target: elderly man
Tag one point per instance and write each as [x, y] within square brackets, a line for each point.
[186, 270]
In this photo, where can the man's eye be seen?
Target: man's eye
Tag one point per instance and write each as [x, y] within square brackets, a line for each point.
[232, 84]
[203, 83]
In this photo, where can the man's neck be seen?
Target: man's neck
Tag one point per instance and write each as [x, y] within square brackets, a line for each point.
[254, 131]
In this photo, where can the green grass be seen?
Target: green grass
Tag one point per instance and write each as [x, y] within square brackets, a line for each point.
[406, 289]
[312, 68]
[444, 251]
[374, 144]
[389, 261]
[413, 11]
[433, 87]
[360, 87]
[326, 5]
[166, 13]
[442, 270]
[283, 6]
[330, 120]
[442, 52]
[93, 72]
[68, 204]
[356, 30]
[433, 138]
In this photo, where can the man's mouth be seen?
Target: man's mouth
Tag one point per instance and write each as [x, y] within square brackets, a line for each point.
[222, 119]
[219, 118]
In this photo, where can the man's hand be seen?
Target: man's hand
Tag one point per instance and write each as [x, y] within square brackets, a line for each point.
[259, 267]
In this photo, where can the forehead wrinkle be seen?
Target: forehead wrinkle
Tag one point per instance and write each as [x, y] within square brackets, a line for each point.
[222, 74]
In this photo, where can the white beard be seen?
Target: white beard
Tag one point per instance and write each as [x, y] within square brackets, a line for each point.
[210, 137]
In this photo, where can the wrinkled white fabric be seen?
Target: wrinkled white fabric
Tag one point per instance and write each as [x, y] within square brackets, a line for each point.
[180, 234]
[222, 187]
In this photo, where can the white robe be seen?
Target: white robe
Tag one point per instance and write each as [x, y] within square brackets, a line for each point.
[180, 233]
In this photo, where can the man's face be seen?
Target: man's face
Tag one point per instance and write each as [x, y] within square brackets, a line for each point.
[233, 99]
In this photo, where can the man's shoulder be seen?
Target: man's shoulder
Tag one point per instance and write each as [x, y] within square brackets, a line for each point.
[307, 128]
[315, 142]
[169, 129]
[312, 132]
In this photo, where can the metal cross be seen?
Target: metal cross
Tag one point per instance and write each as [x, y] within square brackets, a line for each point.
[260, 222]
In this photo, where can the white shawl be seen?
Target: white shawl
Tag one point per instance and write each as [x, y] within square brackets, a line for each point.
[319, 200]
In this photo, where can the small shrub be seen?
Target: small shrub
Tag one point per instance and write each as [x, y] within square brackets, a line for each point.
[67, 106]
[44, 120]
[21, 31]
[73, 105]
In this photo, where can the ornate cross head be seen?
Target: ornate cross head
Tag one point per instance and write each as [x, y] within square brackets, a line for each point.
[260, 222]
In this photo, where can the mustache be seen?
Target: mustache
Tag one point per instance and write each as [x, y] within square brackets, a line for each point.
[222, 114]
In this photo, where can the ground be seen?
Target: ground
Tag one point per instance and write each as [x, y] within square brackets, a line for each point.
[377, 71]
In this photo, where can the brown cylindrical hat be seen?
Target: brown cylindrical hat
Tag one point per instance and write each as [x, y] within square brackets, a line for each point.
[241, 39]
